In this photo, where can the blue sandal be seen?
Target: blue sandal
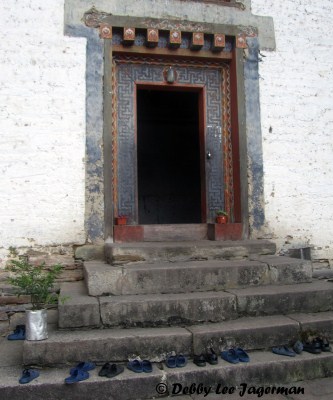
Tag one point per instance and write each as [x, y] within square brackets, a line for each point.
[171, 362]
[84, 366]
[18, 334]
[146, 366]
[77, 375]
[181, 361]
[28, 375]
[135, 366]
[230, 356]
[284, 351]
[242, 355]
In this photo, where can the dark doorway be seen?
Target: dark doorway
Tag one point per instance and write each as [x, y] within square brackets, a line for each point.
[169, 183]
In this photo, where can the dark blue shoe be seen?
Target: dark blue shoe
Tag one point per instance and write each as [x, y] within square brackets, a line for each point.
[28, 375]
[84, 366]
[242, 355]
[181, 361]
[78, 375]
[147, 366]
[171, 362]
[230, 356]
[18, 334]
[135, 366]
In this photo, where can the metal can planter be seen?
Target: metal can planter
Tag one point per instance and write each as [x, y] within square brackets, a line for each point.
[36, 325]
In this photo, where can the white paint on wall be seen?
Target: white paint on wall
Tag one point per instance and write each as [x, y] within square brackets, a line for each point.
[296, 90]
[42, 133]
[42, 117]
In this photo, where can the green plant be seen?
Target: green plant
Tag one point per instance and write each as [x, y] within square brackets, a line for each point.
[35, 280]
[220, 213]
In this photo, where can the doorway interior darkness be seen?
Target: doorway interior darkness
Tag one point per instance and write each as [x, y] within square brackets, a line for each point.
[169, 183]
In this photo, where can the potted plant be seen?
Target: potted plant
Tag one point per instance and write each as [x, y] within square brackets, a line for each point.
[221, 217]
[121, 220]
[38, 282]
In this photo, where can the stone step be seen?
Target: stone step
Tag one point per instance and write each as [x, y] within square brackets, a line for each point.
[194, 308]
[264, 369]
[101, 345]
[191, 276]
[122, 253]
[79, 309]
[191, 308]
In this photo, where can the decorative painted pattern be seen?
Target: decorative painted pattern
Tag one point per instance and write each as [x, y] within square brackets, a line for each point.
[131, 70]
[227, 146]
[105, 31]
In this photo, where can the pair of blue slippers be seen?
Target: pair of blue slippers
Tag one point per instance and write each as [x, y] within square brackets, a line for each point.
[235, 356]
[80, 372]
[177, 361]
[140, 366]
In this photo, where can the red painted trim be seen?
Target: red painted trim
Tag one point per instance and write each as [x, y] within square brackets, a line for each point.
[225, 231]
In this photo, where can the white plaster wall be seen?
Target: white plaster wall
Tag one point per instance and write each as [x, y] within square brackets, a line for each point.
[296, 89]
[42, 127]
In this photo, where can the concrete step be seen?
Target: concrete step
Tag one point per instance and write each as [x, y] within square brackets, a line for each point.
[192, 276]
[194, 308]
[79, 309]
[191, 308]
[264, 369]
[122, 253]
[101, 345]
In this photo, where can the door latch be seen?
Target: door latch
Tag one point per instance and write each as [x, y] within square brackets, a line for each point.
[208, 155]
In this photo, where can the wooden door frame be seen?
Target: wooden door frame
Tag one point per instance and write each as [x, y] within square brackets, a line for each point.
[238, 131]
[176, 87]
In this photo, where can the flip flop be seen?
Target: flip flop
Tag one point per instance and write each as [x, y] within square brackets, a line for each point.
[83, 366]
[200, 360]
[146, 366]
[242, 355]
[113, 370]
[211, 357]
[324, 344]
[18, 334]
[135, 366]
[284, 351]
[28, 375]
[230, 356]
[77, 375]
[313, 347]
[110, 370]
[181, 361]
[171, 362]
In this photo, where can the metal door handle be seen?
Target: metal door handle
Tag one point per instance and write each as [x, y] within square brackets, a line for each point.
[208, 155]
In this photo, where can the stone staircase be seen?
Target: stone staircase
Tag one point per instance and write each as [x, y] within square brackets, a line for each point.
[155, 298]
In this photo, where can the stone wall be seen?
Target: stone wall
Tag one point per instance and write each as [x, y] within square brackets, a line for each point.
[43, 101]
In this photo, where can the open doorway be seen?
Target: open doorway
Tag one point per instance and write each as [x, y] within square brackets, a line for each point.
[169, 168]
